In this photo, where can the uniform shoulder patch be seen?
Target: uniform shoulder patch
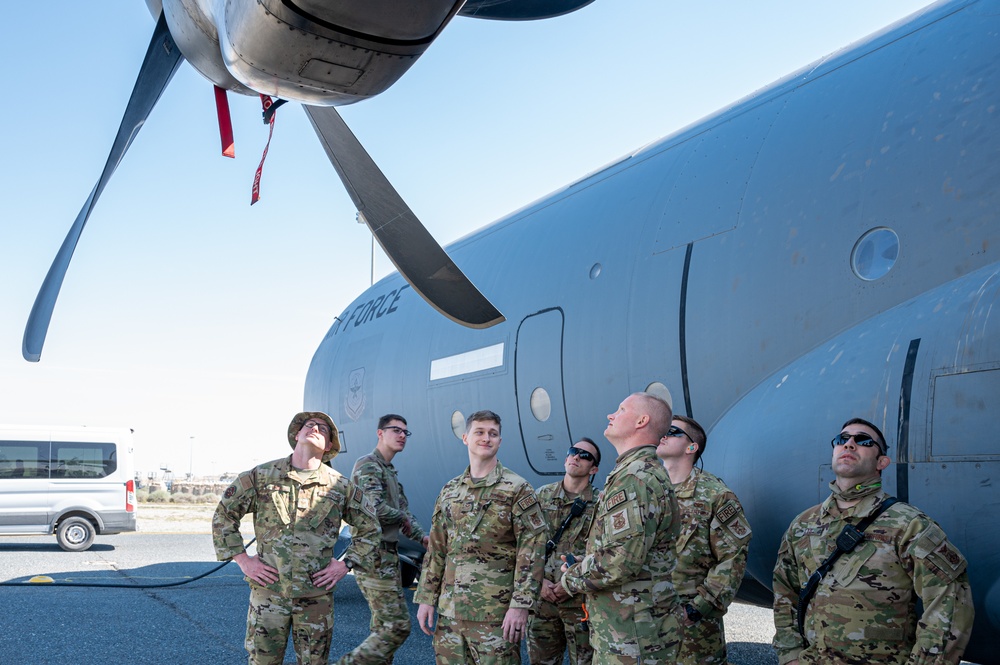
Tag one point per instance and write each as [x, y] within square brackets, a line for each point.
[245, 482]
[615, 499]
[727, 512]
[230, 491]
[949, 555]
[527, 502]
[739, 528]
[619, 521]
[368, 506]
[358, 496]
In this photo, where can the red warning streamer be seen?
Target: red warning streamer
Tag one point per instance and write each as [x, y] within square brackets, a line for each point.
[266, 103]
[225, 123]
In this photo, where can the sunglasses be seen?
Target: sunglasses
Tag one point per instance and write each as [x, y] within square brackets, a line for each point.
[677, 432]
[862, 440]
[582, 454]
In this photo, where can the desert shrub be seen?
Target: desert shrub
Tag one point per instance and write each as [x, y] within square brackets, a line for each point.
[209, 498]
[183, 498]
[159, 496]
[142, 495]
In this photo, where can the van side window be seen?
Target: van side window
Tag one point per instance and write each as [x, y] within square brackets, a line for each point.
[23, 459]
[82, 460]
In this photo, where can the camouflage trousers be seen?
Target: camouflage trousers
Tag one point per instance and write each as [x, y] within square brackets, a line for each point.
[270, 619]
[552, 629]
[703, 643]
[634, 641]
[473, 643]
[390, 624]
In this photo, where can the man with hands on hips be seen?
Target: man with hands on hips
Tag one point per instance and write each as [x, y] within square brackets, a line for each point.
[298, 503]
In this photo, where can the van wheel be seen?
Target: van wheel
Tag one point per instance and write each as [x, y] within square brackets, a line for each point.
[75, 534]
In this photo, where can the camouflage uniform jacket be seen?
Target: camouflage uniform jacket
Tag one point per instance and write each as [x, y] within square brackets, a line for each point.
[864, 609]
[630, 552]
[296, 524]
[487, 543]
[378, 479]
[556, 504]
[712, 546]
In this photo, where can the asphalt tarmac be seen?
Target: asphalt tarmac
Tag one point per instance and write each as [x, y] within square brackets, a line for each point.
[202, 622]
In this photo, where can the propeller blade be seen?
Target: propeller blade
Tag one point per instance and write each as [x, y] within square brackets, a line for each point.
[162, 59]
[412, 249]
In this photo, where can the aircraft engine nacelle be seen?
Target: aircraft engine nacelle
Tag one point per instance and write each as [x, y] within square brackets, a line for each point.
[326, 53]
[924, 372]
[320, 52]
[192, 26]
[310, 51]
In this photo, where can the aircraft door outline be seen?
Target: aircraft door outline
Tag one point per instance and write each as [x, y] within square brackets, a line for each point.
[538, 366]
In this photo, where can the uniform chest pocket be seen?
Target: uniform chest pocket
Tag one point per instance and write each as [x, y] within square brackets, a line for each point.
[324, 516]
[279, 499]
[691, 519]
[849, 565]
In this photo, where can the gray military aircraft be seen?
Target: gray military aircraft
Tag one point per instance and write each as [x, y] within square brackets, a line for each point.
[322, 54]
[825, 248]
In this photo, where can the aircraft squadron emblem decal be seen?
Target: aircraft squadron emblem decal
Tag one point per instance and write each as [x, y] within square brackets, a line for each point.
[354, 403]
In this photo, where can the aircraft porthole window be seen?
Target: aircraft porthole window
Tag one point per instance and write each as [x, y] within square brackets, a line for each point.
[458, 424]
[875, 253]
[541, 405]
[661, 391]
[595, 271]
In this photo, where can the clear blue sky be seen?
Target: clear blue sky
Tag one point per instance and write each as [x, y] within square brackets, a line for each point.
[191, 317]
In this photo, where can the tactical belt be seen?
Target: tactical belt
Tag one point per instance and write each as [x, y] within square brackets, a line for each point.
[579, 505]
[848, 539]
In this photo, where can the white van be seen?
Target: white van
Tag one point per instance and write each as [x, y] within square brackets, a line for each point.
[75, 482]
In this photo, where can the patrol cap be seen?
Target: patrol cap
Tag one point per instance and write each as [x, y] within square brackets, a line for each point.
[300, 419]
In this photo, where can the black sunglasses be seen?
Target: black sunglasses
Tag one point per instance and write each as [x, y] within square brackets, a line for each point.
[862, 440]
[677, 432]
[581, 453]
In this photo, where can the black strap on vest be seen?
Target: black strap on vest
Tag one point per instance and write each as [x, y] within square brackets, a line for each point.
[848, 539]
[579, 505]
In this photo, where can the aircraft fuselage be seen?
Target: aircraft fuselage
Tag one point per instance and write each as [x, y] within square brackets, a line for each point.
[823, 249]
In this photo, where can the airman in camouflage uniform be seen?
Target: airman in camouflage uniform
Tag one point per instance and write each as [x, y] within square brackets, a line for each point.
[864, 609]
[484, 567]
[626, 575]
[375, 474]
[558, 621]
[298, 504]
[712, 547]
